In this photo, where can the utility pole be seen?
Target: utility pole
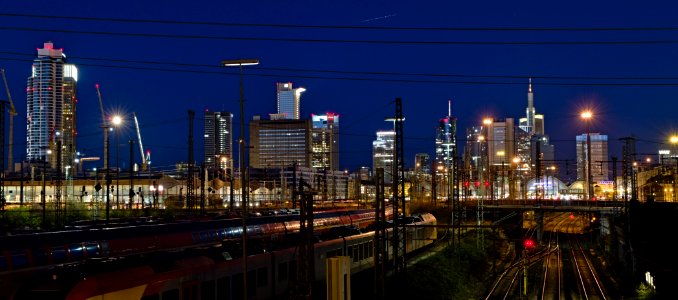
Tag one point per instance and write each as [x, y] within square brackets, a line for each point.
[380, 255]
[131, 173]
[399, 231]
[306, 260]
[189, 176]
[3, 201]
[58, 211]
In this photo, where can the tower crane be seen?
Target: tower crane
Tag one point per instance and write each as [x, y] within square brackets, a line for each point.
[12, 114]
[145, 160]
[104, 125]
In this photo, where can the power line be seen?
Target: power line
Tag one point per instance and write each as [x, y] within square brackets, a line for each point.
[619, 84]
[342, 41]
[364, 72]
[351, 27]
[369, 72]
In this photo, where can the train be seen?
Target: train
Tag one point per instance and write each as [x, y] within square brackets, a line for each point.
[209, 275]
[25, 255]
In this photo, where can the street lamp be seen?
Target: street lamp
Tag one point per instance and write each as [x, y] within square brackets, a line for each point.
[116, 120]
[586, 116]
[241, 157]
[674, 142]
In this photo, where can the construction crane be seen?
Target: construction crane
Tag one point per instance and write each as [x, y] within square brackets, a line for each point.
[145, 161]
[104, 125]
[12, 114]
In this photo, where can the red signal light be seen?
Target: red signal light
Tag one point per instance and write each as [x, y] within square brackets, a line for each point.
[487, 183]
[528, 243]
[477, 183]
[571, 216]
[466, 183]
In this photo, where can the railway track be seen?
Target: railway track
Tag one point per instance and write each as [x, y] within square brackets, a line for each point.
[559, 268]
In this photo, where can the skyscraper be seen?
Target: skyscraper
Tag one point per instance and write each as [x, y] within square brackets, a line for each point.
[500, 141]
[280, 143]
[288, 100]
[532, 132]
[50, 107]
[382, 153]
[69, 116]
[599, 158]
[446, 142]
[533, 123]
[218, 134]
[325, 141]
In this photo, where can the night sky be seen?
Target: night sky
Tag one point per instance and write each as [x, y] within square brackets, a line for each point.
[161, 70]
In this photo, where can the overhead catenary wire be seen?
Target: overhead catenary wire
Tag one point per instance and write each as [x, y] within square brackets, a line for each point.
[351, 27]
[215, 66]
[467, 82]
[339, 41]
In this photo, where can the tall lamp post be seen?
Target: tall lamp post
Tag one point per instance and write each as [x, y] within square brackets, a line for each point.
[241, 157]
[117, 121]
[674, 143]
[586, 116]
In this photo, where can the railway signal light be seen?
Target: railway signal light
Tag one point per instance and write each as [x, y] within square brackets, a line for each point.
[528, 243]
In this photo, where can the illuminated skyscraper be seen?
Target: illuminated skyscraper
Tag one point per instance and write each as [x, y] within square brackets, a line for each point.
[532, 127]
[280, 143]
[288, 100]
[50, 107]
[325, 141]
[446, 142]
[599, 158]
[218, 139]
[500, 142]
[533, 123]
[382, 153]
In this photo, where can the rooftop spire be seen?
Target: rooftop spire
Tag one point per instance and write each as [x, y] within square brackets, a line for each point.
[449, 107]
[529, 86]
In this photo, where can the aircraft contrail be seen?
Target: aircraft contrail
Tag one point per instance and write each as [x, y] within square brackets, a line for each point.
[379, 18]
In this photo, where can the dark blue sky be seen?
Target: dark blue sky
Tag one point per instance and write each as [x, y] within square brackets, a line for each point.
[161, 98]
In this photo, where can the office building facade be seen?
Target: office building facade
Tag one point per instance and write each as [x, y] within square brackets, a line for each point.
[599, 152]
[218, 135]
[280, 143]
[289, 100]
[325, 141]
[382, 153]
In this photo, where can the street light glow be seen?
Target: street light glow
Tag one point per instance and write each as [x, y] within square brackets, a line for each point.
[586, 115]
[487, 121]
[240, 62]
[673, 139]
[117, 120]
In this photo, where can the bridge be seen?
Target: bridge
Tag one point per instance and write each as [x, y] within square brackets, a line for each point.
[546, 205]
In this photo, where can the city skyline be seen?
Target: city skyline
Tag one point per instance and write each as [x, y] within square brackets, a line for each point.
[161, 98]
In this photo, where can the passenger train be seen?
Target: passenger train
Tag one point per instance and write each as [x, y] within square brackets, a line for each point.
[209, 275]
[25, 255]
